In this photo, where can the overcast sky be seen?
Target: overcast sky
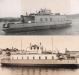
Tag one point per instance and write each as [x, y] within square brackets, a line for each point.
[49, 42]
[14, 8]
[16, 41]
[10, 8]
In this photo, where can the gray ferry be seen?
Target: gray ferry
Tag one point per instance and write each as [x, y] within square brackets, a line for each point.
[43, 19]
[37, 56]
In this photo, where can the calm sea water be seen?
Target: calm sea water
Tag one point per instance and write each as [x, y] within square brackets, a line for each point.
[36, 71]
[73, 30]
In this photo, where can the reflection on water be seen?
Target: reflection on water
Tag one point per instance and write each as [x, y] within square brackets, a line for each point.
[36, 71]
[72, 30]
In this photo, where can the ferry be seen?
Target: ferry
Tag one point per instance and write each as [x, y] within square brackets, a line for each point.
[43, 19]
[37, 56]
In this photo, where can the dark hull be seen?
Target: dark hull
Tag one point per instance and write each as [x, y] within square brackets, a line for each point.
[42, 65]
[33, 28]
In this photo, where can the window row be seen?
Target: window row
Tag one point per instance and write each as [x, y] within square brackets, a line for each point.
[46, 19]
[50, 19]
[35, 58]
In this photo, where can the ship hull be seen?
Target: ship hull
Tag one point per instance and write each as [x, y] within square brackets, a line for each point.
[34, 28]
[42, 65]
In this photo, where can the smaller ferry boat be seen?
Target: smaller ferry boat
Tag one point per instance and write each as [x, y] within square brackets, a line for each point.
[37, 56]
[42, 19]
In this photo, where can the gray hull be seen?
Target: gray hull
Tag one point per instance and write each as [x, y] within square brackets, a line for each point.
[33, 28]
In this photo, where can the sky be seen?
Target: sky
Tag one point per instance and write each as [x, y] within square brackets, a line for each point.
[54, 5]
[16, 41]
[63, 42]
[49, 42]
[10, 8]
[74, 6]
[14, 8]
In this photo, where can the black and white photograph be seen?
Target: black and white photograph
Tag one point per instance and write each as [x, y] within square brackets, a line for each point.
[39, 17]
[39, 55]
[39, 37]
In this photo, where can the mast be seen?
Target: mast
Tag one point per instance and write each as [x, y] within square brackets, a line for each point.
[52, 43]
[12, 45]
[21, 45]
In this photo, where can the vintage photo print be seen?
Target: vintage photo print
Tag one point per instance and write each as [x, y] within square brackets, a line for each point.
[39, 55]
[39, 17]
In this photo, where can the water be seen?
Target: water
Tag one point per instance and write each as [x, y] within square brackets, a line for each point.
[72, 30]
[36, 71]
